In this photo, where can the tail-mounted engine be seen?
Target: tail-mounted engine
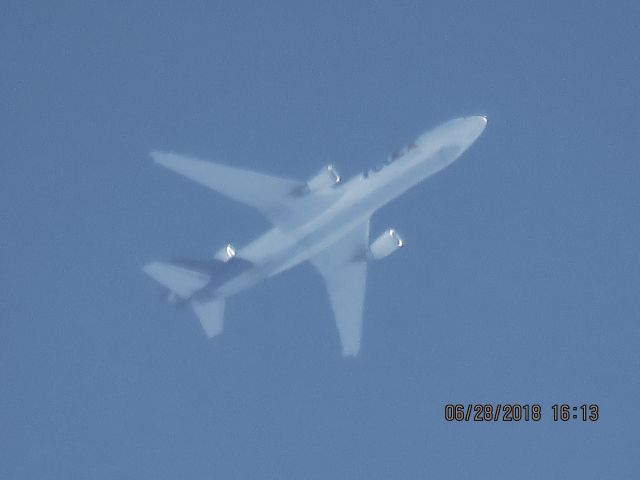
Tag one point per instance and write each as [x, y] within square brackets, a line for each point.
[385, 245]
[226, 253]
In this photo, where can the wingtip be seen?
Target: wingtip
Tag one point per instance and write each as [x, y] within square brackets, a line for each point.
[157, 155]
[351, 352]
[148, 267]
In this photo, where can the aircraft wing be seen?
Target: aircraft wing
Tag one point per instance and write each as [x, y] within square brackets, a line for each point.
[344, 269]
[274, 197]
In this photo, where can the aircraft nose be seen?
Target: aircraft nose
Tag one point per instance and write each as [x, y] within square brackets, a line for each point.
[478, 123]
[462, 131]
[473, 128]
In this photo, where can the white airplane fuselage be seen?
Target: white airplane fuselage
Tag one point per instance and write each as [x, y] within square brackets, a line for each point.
[280, 249]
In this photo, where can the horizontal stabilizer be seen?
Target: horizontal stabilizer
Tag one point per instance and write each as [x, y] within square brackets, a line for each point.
[181, 281]
[210, 314]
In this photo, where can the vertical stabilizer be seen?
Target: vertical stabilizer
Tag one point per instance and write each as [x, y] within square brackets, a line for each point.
[211, 315]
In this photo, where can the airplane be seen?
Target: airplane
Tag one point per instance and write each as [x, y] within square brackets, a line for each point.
[324, 221]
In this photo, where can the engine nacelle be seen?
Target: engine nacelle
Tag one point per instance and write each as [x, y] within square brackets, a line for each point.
[226, 253]
[325, 178]
[385, 244]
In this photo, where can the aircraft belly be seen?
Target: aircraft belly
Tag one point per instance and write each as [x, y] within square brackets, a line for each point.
[277, 251]
[281, 257]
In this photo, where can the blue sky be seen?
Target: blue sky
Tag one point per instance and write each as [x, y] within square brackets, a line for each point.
[519, 282]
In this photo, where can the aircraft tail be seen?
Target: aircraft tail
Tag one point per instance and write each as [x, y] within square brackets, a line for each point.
[184, 283]
[181, 281]
[211, 315]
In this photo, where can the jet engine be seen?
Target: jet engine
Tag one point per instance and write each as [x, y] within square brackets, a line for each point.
[385, 244]
[325, 178]
[226, 253]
